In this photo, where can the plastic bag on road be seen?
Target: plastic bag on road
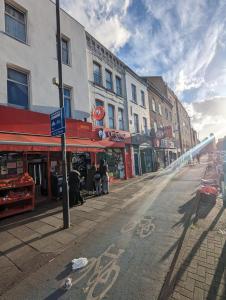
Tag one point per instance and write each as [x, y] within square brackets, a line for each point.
[79, 263]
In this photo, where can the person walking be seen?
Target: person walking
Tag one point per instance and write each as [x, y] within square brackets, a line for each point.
[74, 188]
[97, 180]
[105, 182]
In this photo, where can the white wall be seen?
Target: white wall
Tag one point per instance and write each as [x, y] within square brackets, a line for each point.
[39, 57]
[137, 108]
[100, 93]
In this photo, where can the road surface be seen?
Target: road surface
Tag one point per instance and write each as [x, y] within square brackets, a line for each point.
[130, 254]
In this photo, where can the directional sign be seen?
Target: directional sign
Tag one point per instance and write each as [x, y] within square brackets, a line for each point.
[57, 121]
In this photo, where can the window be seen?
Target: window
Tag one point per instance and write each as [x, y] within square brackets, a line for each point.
[155, 127]
[142, 98]
[111, 116]
[118, 86]
[100, 122]
[97, 78]
[160, 109]
[109, 83]
[166, 111]
[120, 119]
[67, 102]
[136, 123]
[134, 93]
[153, 105]
[15, 23]
[65, 51]
[170, 115]
[145, 125]
[17, 88]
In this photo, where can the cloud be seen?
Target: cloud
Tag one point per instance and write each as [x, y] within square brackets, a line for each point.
[208, 116]
[102, 18]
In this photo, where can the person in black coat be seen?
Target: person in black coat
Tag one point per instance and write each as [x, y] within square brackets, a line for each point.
[74, 188]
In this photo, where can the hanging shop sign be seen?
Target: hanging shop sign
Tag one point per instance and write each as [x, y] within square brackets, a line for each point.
[98, 113]
[111, 135]
[101, 134]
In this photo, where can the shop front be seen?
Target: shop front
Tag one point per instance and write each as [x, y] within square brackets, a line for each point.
[30, 159]
[117, 152]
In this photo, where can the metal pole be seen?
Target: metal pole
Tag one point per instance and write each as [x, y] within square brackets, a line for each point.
[66, 215]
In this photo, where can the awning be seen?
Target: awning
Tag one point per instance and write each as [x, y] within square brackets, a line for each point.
[111, 144]
[23, 142]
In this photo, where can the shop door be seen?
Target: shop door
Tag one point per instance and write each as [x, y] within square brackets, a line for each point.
[136, 163]
[128, 163]
[143, 167]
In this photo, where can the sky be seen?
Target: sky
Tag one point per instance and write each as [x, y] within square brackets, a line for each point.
[183, 41]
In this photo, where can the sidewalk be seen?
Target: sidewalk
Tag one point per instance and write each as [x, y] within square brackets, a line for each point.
[200, 273]
[30, 240]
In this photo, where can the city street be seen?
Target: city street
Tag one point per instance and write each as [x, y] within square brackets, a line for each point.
[131, 252]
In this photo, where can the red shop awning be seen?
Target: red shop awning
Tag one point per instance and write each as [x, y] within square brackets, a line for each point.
[24, 142]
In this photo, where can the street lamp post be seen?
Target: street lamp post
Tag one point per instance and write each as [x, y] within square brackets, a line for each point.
[66, 215]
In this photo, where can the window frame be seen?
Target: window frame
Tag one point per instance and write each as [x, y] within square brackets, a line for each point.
[24, 72]
[22, 11]
[155, 126]
[136, 125]
[67, 40]
[106, 81]
[145, 122]
[143, 102]
[134, 99]
[70, 89]
[100, 83]
[113, 118]
[153, 105]
[116, 87]
[122, 120]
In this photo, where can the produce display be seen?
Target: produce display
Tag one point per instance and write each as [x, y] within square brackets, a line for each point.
[16, 181]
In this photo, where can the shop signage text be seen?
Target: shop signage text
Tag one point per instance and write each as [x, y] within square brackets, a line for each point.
[112, 135]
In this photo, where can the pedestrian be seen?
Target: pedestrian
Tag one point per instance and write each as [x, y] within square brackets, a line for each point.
[74, 188]
[97, 180]
[105, 182]
[90, 184]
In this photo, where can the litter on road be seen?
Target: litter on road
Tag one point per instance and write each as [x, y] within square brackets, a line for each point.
[68, 284]
[79, 263]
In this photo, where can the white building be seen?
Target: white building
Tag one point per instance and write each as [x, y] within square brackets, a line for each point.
[28, 58]
[106, 76]
[139, 122]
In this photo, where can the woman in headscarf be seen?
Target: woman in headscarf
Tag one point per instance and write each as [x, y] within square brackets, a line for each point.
[74, 188]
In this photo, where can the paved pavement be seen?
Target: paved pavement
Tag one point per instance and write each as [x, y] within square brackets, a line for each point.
[130, 238]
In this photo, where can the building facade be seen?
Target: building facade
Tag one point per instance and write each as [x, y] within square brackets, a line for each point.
[28, 59]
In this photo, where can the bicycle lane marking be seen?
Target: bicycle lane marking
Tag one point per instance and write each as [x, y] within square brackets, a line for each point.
[142, 228]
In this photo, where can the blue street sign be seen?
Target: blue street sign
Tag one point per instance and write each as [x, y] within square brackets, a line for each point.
[57, 121]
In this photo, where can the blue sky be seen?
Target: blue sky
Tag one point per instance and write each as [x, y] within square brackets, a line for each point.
[183, 41]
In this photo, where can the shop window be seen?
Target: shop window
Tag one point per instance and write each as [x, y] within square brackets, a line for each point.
[134, 93]
[111, 116]
[97, 77]
[145, 125]
[136, 123]
[118, 86]
[142, 98]
[15, 22]
[100, 122]
[11, 165]
[65, 51]
[120, 119]
[17, 88]
[67, 102]
[109, 83]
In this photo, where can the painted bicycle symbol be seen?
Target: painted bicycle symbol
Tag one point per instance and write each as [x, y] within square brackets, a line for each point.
[143, 228]
[102, 273]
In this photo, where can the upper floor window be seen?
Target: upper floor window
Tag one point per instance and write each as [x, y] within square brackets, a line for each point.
[67, 102]
[120, 119]
[134, 93]
[145, 125]
[136, 123]
[17, 88]
[160, 109]
[155, 127]
[118, 86]
[15, 23]
[100, 122]
[166, 112]
[97, 78]
[111, 116]
[170, 115]
[65, 51]
[109, 83]
[142, 98]
[153, 105]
